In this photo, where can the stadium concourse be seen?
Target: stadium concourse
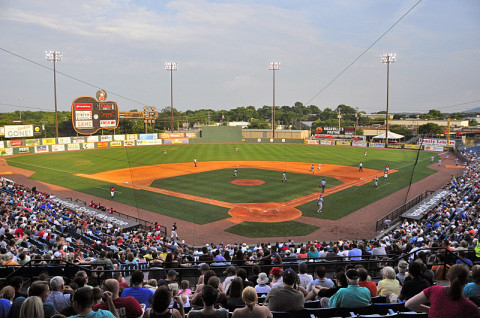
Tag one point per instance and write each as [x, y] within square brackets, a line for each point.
[36, 232]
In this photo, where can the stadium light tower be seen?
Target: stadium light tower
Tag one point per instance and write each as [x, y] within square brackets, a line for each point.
[273, 66]
[54, 56]
[170, 66]
[387, 59]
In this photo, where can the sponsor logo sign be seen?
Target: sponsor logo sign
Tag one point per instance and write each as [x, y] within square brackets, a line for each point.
[64, 140]
[18, 131]
[171, 135]
[83, 115]
[106, 138]
[6, 151]
[48, 141]
[342, 143]
[359, 144]
[376, 145]
[23, 150]
[83, 124]
[102, 144]
[77, 140]
[175, 141]
[434, 148]
[311, 142]
[191, 135]
[327, 142]
[56, 148]
[92, 138]
[394, 146]
[73, 146]
[119, 137]
[107, 106]
[2, 144]
[39, 149]
[436, 142]
[147, 136]
[83, 106]
[88, 145]
[115, 144]
[408, 146]
[418, 211]
[32, 142]
[131, 137]
[108, 123]
[146, 142]
[128, 143]
[14, 143]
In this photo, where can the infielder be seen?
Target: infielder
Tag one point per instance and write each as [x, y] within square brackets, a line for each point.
[320, 204]
[319, 166]
[431, 159]
[195, 162]
[112, 191]
[312, 169]
[235, 174]
[385, 175]
[375, 182]
[322, 184]
[360, 167]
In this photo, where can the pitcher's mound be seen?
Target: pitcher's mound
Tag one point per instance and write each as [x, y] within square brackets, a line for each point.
[264, 212]
[248, 182]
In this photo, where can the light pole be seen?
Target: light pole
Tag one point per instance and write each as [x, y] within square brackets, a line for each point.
[388, 58]
[273, 66]
[356, 122]
[54, 56]
[170, 66]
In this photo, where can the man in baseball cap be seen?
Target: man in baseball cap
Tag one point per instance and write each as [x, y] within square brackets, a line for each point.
[353, 295]
[285, 298]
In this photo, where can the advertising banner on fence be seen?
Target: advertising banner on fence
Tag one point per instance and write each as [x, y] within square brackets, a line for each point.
[421, 209]
[18, 131]
[6, 151]
[23, 150]
[342, 143]
[2, 144]
[73, 146]
[102, 144]
[149, 142]
[191, 135]
[170, 135]
[129, 143]
[327, 142]
[433, 148]
[48, 141]
[64, 140]
[359, 144]
[435, 142]
[106, 138]
[395, 146]
[376, 145]
[175, 141]
[116, 144]
[147, 136]
[88, 145]
[14, 143]
[78, 140]
[39, 149]
[311, 142]
[100, 215]
[416, 147]
[131, 137]
[118, 137]
[56, 148]
[32, 142]
[92, 138]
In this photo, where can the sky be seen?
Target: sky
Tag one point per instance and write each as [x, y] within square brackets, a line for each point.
[329, 53]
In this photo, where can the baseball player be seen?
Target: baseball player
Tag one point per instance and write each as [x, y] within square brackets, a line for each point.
[320, 204]
[195, 162]
[319, 166]
[456, 161]
[431, 158]
[112, 191]
[387, 167]
[360, 167]
[164, 151]
[375, 182]
[439, 162]
[365, 154]
[385, 175]
[322, 184]
[235, 174]
[236, 149]
[284, 177]
[174, 230]
[312, 169]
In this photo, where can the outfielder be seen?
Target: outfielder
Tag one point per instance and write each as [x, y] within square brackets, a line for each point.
[284, 177]
[320, 204]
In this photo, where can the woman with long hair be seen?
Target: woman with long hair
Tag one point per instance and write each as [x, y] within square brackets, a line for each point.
[252, 309]
[6, 297]
[234, 294]
[32, 307]
[446, 301]
[160, 303]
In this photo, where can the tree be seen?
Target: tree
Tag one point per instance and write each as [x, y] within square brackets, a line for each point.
[402, 131]
[258, 124]
[430, 129]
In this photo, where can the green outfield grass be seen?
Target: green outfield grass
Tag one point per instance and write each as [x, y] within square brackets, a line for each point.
[217, 185]
[59, 169]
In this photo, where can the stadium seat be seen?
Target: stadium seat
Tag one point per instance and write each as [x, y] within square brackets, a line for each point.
[384, 308]
[412, 314]
[284, 314]
[320, 312]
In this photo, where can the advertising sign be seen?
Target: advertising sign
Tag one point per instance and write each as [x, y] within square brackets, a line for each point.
[327, 142]
[88, 145]
[191, 135]
[376, 145]
[359, 144]
[92, 138]
[131, 137]
[106, 138]
[408, 146]
[119, 137]
[147, 136]
[128, 143]
[102, 144]
[73, 147]
[32, 142]
[330, 130]
[18, 131]
[311, 142]
[435, 142]
[48, 141]
[2, 144]
[56, 148]
[342, 143]
[6, 151]
[78, 140]
[23, 150]
[177, 141]
[149, 142]
[115, 144]
[421, 209]
[39, 149]
[14, 143]
[170, 135]
[64, 140]
[434, 148]
[90, 115]
[394, 146]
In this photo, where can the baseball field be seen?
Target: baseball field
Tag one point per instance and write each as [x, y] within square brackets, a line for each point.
[164, 180]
